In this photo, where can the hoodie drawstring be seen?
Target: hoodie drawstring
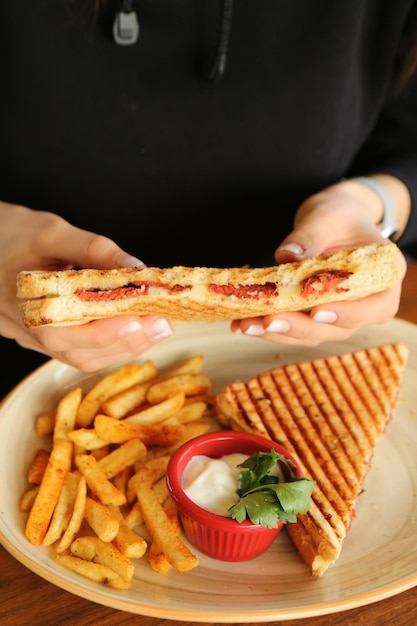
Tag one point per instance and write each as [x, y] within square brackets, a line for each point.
[126, 32]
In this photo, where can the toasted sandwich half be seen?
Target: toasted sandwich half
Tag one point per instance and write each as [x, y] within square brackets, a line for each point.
[330, 413]
[204, 294]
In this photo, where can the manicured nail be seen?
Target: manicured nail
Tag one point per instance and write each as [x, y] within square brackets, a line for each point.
[278, 326]
[130, 329]
[294, 248]
[126, 260]
[255, 330]
[325, 317]
[159, 330]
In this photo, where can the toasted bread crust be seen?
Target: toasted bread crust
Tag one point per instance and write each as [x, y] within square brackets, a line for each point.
[329, 413]
[205, 294]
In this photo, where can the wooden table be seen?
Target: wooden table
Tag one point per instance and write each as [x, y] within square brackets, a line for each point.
[25, 598]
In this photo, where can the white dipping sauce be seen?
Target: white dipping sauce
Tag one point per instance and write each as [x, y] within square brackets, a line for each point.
[212, 483]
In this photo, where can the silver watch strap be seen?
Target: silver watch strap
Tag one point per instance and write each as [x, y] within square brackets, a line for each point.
[388, 225]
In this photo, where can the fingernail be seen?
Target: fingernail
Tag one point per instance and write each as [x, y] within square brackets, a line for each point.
[325, 317]
[278, 326]
[294, 248]
[130, 329]
[126, 260]
[160, 329]
[255, 330]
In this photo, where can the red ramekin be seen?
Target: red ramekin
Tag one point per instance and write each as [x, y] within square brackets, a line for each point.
[217, 536]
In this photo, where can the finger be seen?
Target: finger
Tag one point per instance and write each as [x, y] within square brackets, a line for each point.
[73, 246]
[294, 328]
[331, 322]
[376, 309]
[98, 342]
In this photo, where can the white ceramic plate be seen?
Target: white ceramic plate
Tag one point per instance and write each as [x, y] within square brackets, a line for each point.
[379, 556]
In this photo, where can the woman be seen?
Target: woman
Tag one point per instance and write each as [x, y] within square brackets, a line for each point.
[225, 135]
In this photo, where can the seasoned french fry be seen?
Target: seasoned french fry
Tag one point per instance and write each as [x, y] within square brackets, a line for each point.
[94, 571]
[121, 480]
[110, 385]
[189, 413]
[160, 527]
[124, 456]
[134, 518]
[94, 549]
[160, 411]
[119, 431]
[99, 518]
[191, 429]
[99, 453]
[86, 439]
[129, 543]
[59, 464]
[156, 557]
[28, 498]
[191, 365]
[38, 466]
[190, 384]
[66, 413]
[126, 401]
[45, 424]
[160, 487]
[63, 510]
[106, 492]
[77, 516]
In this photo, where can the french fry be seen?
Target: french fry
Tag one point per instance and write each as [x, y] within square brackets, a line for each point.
[156, 557]
[134, 518]
[191, 365]
[64, 509]
[160, 487]
[160, 527]
[160, 411]
[94, 549]
[106, 492]
[190, 384]
[28, 498]
[119, 431]
[66, 413]
[126, 401]
[93, 571]
[110, 385]
[129, 543]
[45, 424]
[59, 464]
[191, 429]
[86, 439]
[38, 466]
[189, 413]
[99, 453]
[99, 518]
[124, 456]
[77, 516]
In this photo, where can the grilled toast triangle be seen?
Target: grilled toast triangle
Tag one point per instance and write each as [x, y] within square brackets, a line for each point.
[330, 413]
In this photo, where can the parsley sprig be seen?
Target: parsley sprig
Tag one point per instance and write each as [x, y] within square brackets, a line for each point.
[263, 499]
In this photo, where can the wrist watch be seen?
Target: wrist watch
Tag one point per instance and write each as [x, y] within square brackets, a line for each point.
[388, 226]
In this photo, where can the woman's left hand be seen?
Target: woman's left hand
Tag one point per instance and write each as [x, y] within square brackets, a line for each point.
[336, 218]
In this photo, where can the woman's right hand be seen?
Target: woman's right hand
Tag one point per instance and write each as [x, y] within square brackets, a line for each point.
[44, 241]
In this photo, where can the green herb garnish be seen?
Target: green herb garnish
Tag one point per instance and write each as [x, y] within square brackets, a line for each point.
[264, 499]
